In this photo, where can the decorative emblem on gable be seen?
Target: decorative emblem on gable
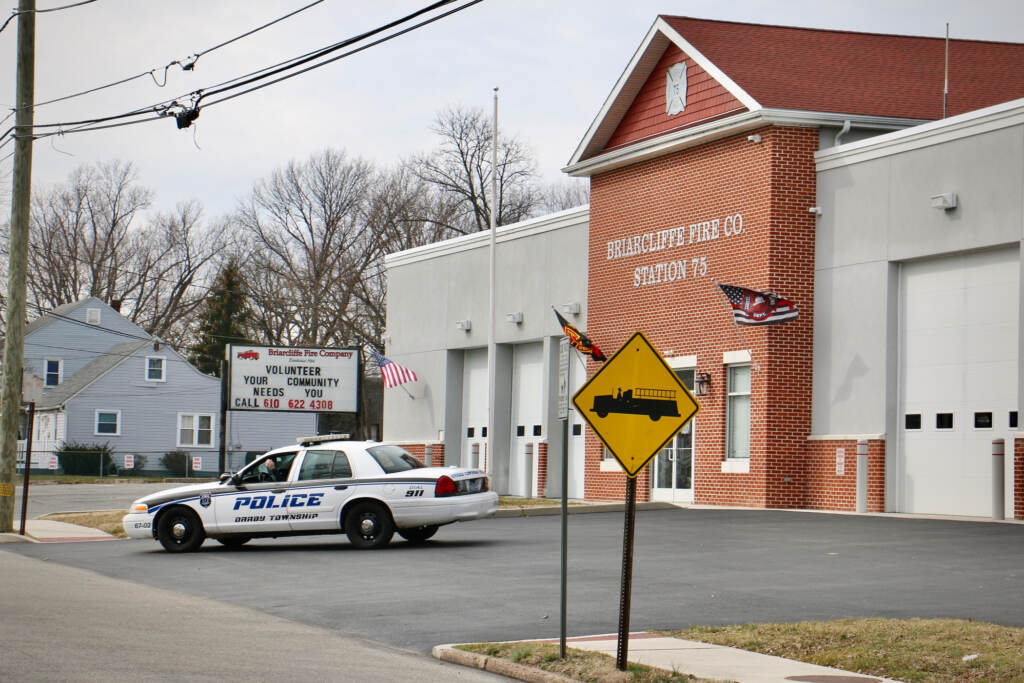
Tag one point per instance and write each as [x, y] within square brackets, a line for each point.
[675, 89]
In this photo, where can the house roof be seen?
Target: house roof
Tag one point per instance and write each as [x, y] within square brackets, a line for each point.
[755, 74]
[104, 363]
[857, 73]
[46, 317]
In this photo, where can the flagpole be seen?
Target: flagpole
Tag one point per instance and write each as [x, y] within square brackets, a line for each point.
[736, 325]
[491, 333]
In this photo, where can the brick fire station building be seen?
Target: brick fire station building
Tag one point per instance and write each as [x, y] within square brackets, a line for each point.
[826, 166]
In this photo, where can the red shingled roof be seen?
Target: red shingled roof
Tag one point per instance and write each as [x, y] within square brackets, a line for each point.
[857, 73]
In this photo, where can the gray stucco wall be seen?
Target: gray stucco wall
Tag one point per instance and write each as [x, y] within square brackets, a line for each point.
[539, 263]
[877, 213]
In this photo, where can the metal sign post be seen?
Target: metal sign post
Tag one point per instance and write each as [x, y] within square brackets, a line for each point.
[28, 465]
[563, 415]
[622, 649]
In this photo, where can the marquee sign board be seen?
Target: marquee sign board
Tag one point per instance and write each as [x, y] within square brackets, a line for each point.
[311, 380]
[635, 403]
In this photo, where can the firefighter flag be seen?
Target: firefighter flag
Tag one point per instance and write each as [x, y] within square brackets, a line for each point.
[578, 340]
[750, 307]
[393, 373]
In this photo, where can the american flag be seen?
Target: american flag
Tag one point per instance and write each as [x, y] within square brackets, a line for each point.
[393, 373]
[750, 307]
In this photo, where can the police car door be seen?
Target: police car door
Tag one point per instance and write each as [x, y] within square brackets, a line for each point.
[323, 485]
[257, 503]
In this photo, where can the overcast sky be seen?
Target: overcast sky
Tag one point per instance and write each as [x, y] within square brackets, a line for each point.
[554, 61]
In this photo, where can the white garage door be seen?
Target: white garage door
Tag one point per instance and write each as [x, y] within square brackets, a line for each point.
[527, 418]
[474, 408]
[958, 378]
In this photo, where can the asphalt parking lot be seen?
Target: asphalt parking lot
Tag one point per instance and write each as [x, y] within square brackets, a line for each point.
[498, 579]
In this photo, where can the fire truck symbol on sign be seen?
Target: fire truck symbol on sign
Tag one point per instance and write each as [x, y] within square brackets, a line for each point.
[654, 403]
[249, 355]
[624, 404]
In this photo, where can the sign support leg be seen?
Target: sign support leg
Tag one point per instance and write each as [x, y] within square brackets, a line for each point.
[28, 465]
[622, 652]
[565, 531]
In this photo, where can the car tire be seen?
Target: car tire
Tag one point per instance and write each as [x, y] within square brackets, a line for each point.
[180, 530]
[418, 534]
[234, 541]
[368, 525]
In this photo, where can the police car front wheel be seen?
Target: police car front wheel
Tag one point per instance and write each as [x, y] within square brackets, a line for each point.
[180, 530]
[369, 525]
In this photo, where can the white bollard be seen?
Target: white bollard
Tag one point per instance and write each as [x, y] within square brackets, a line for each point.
[998, 479]
[862, 475]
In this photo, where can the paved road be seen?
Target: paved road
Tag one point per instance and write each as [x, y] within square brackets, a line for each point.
[498, 579]
[65, 624]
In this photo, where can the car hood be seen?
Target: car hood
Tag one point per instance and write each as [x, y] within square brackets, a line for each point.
[178, 493]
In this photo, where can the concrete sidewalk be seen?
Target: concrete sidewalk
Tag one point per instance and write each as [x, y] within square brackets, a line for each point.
[50, 531]
[673, 654]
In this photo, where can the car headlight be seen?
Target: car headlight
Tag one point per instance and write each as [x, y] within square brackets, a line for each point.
[139, 507]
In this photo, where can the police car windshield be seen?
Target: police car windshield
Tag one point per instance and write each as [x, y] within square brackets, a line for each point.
[394, 459]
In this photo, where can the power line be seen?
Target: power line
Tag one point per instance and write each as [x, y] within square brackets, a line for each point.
[185, 66]
[186, 114]
[42, 11]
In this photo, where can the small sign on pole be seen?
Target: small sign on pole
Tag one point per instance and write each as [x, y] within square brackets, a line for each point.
[129, 461]
[197, 463]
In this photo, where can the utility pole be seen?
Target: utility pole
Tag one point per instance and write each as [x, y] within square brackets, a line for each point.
[21, 194]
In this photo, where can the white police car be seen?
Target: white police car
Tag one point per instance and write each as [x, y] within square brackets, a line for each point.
[324, 485]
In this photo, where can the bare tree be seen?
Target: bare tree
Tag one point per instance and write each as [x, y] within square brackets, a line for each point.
[88, 238]
[565, 194]
[460, 172]
[308, 246]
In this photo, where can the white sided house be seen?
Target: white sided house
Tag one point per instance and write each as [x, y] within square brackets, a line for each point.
[106, 381]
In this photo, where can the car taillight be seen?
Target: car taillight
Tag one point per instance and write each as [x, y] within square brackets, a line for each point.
[445, 487]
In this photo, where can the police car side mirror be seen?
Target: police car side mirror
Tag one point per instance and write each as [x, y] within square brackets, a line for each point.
[224, 477]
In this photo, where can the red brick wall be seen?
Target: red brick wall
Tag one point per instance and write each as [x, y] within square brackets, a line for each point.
[772, 184]
[1018, 478]
[542, 468]
[825, 490]
[706, 99]
[419, 449]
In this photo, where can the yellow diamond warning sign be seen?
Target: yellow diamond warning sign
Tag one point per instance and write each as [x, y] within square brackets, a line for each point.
[635, 403]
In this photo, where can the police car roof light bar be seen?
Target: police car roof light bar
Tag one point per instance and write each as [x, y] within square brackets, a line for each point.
[307, 440]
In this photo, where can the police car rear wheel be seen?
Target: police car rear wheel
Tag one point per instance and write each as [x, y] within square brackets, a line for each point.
[180, 530]
[368, 525]
[418, 534]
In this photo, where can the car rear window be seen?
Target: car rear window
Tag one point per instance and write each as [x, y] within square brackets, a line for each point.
[394, 459]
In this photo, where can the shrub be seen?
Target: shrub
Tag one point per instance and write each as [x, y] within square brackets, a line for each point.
[84, 459]
[175, 462]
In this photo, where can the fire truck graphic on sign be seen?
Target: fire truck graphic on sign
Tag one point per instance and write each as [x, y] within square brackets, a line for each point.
[635, 403]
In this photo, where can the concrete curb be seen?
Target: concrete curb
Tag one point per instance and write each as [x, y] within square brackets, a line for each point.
[540, 511]
[15, 537]
[502, 667]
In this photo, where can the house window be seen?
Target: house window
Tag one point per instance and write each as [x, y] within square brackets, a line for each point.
[738, 417]
[54, 371]
[108, 423]
[92, 316]
[195, 430]
[155, 368]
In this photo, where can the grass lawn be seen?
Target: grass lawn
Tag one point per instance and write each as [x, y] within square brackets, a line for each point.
[579, 665]
[104, 520]
[511, 502]
[82, 479]
[932, 650]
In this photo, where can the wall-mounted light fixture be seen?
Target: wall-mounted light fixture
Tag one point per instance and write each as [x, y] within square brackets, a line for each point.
[703, 383]
[465, 325]
[816, 210]
[754, 138]
[570, 309]
[515, 318]
[945, 201]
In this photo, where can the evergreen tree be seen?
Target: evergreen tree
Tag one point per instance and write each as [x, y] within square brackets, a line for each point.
[224, 319]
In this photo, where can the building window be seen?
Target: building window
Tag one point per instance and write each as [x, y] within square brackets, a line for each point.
[195, 430]
[738, 417]
[108, 423]
[155, 368]
[54, 370]
[92, 316]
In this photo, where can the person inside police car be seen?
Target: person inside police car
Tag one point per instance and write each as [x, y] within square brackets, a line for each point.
[276, 467]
